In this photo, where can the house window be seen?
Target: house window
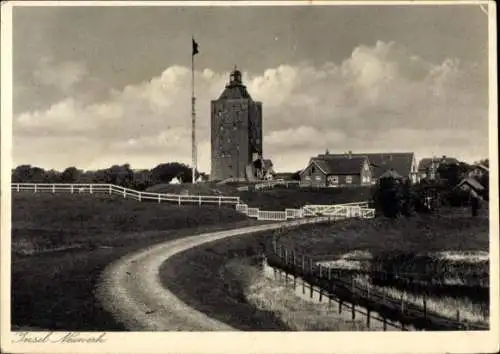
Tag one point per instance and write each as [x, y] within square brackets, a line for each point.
[313, 169]
[318, 178]
[348, 179]
[308, 178]
[333, 180]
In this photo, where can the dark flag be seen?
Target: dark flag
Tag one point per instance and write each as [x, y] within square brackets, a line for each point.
[195, 47]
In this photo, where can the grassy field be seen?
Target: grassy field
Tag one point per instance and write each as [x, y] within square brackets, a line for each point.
[279, 198]
[42, 222]
[206, 188]
[53, 290]
[418, 234]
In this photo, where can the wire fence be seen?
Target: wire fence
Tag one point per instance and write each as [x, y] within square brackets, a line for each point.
[345, 287]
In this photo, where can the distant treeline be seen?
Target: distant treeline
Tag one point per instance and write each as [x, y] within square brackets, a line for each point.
[121, 175]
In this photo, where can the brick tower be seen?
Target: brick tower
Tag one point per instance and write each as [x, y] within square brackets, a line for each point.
[236, 130]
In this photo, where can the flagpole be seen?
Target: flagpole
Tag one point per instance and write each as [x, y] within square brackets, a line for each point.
[193, 119]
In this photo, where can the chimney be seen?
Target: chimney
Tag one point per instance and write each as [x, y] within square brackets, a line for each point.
[327, 152]
[349, 154]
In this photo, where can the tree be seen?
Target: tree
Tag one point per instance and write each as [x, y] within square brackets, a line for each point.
[142, 180]
[119, 175]
[451, 174]
[164, 173]
[29, 174]
[407, 198]
[22, 174]
[388, 196]
[484, 162]
[71, 175]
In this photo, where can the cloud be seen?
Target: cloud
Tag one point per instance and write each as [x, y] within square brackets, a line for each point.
[63, 75]
[380, 98]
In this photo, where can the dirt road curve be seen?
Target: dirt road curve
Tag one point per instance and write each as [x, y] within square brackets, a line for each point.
[131, 291]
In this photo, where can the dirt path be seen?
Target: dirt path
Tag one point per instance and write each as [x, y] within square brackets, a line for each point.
[131, 288]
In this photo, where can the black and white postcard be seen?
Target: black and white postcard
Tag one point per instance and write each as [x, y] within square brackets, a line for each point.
[249, 177]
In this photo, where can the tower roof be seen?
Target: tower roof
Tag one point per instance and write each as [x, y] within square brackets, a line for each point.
[235, 88]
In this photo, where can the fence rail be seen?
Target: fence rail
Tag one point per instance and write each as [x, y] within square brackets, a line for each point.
[358, 210]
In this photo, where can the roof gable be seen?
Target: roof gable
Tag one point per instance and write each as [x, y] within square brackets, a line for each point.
[318, 163]
[340, 165]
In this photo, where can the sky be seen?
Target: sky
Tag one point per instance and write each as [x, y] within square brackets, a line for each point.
[97, 86]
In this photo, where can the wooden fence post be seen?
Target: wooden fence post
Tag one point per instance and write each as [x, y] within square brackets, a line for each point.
[340, 305]
[311, 289]
[90, 188]
[220, 201]
[35, 188]
[159, 198]
[425, 307]
[384, 323]
[179, 199]
[110, 189]
[353, 314]
[303, 287]
[368, 318]
[72, 188]
[320, 294]
[18, 187]
[140, 196]
[124, 193]
[53, 188]
[458, 315]
[402, 304]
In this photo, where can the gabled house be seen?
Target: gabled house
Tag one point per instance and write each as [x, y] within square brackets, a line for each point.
[403, 163]
[478, 171]
[336, 171]
[476, 189]
[428, 167]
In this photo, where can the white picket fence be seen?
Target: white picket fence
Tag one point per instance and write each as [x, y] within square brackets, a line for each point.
[269, 184]
[272, 184]
[350, 210]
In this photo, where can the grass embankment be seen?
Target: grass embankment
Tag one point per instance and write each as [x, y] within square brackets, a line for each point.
[297, 313]
[279, 197]
[208, 287]
[54, 290]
